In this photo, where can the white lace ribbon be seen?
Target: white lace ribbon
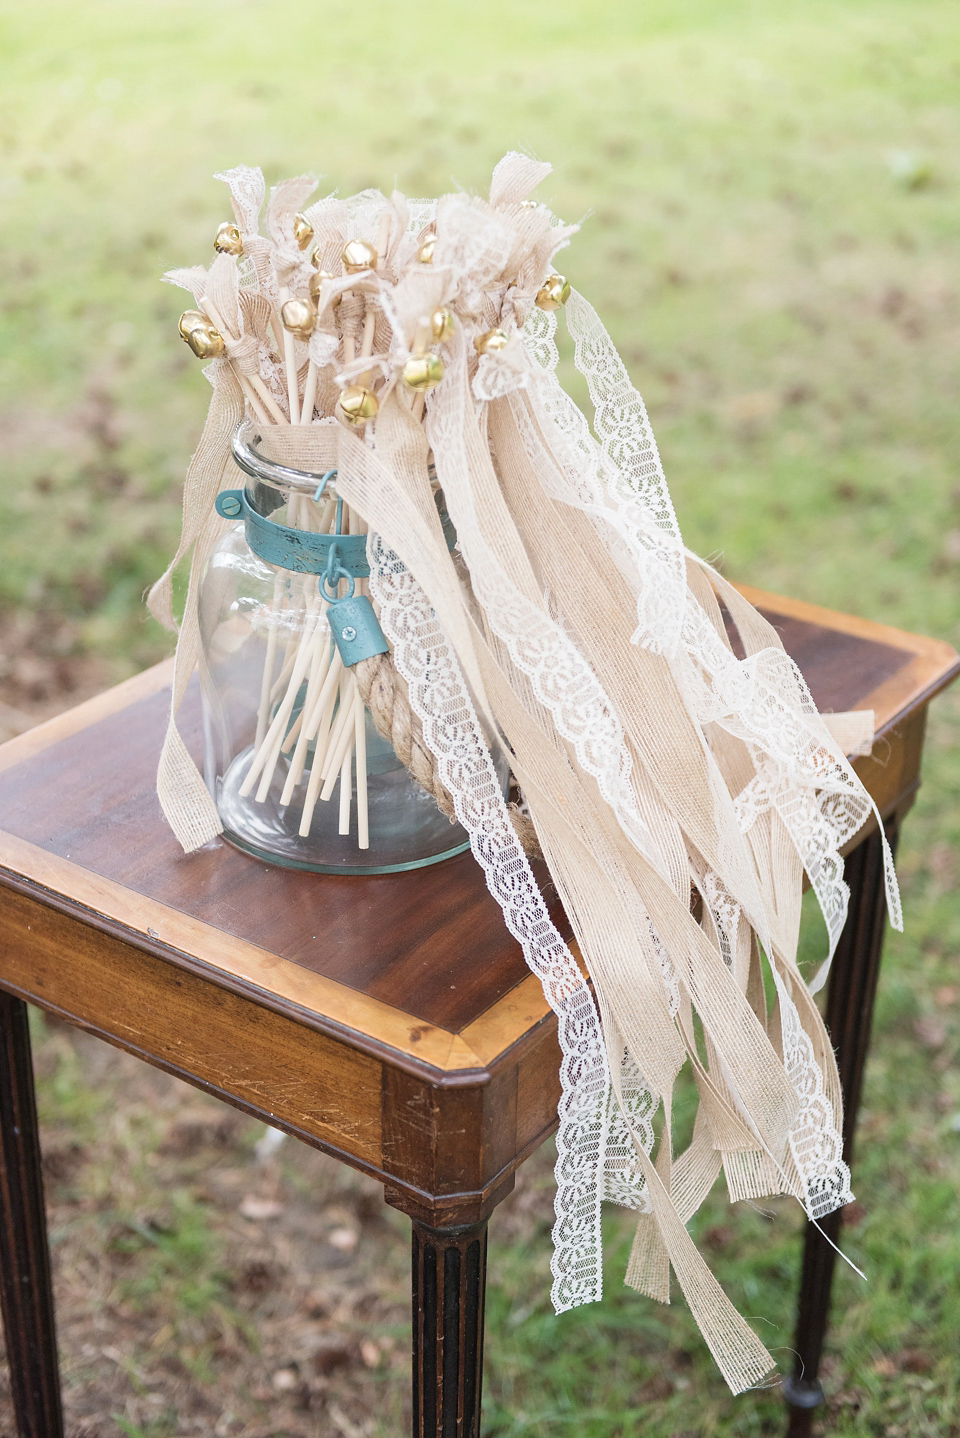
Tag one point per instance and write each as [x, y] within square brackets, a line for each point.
[441, 700]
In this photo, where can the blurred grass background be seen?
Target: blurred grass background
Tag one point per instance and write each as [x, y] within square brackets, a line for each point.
[771, 224]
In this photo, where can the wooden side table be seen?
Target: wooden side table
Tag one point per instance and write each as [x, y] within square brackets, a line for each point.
[389, 1020]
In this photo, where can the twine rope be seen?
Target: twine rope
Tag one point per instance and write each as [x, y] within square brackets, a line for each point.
[385, 694]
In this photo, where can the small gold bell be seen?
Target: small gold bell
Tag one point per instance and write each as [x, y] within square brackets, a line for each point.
[316, 284]
[228, 241]
[205, 341]
[357, 404]
[422, 372]
[191, 320]
[441, 325]
[302, 231]
[359, 255]
[299, 317]
[492, 340]
[554, 292]
[425, 252]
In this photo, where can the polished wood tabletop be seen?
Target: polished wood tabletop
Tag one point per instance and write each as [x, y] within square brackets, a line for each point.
[364, 1014]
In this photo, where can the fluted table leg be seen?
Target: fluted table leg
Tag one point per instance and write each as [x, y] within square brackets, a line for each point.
[849, 1015]
[26, 1293]
[449, 1282]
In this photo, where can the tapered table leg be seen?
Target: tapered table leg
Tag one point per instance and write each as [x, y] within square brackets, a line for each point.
[849, 1015]
[449, 1284]
[26, 1294]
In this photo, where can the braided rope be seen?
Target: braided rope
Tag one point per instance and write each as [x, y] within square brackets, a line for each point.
[384, 692]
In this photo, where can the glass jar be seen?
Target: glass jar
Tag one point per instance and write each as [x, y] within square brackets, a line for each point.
[299, 773]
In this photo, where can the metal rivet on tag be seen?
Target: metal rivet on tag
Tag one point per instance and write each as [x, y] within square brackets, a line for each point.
[356, 633]
[230, 506]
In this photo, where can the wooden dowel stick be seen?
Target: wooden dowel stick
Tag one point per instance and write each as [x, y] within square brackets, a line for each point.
[309, 394]
[281, 679]
[312, 514]
[277, 413]
[333, 766]
[323, 702]
[346, 788]
[253, 380]
[319, 663]
[292, 735]
[251, 395]
[337, 741]
[274, 735]
[322, 727]
[341, 736]
[334, 729]
[360, 745]
[299, 759]
[267, 680]
[216, 319]
[316, 772]
[290, 367]
[349, 347]
[327, 515]
[366, 342]
[270, 765]
[369, 328]
[383, 238]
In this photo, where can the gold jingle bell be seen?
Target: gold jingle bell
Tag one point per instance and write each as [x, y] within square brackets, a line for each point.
[302, 231]
[422, 372]
[359, 255]
[191, 320]
[201, 336]
[441, 325]
[554, 292]
[425, 252]
[316, 285]
[357, 404]
[299, 317]
[227, 240]
[492, 340]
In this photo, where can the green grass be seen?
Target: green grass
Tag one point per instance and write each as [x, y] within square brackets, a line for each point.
[771, 229]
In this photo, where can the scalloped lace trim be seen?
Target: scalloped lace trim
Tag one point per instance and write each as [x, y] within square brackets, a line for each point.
[439, 696]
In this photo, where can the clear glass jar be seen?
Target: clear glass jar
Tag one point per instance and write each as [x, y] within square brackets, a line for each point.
[299, 773]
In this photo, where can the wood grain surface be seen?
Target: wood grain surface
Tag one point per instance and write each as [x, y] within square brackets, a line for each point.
[431, 942]
[389, 1020]
[421, 961]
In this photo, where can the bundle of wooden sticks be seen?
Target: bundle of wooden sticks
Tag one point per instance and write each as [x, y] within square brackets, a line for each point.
[313, 707]
[331, 717]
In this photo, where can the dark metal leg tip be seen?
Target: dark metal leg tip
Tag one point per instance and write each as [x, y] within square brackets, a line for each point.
[802, 1393]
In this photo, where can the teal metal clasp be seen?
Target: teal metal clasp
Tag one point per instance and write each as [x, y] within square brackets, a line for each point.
[334, 558]
[295, 549]
[334, 572]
